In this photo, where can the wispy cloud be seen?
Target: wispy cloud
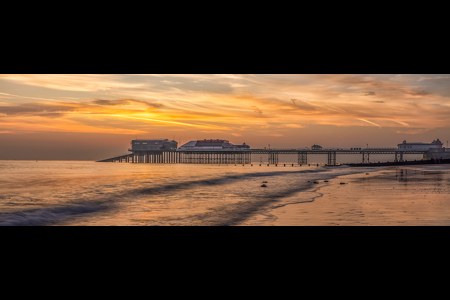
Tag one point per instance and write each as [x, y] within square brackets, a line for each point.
[257, 110]
[228, 102]
[125, 101]
[73, 82]
[370, 122]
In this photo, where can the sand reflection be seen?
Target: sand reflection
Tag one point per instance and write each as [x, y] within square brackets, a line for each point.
[415, 196]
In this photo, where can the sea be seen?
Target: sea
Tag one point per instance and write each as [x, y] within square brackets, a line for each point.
[87, 193]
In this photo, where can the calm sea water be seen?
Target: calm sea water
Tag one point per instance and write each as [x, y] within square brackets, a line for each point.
[91, 193]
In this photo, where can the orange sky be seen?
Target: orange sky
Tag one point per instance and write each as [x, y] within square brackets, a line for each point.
[76, 116]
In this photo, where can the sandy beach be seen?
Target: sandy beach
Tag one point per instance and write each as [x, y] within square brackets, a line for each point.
[396, 196]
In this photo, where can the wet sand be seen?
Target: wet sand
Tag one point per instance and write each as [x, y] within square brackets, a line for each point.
[396, 196]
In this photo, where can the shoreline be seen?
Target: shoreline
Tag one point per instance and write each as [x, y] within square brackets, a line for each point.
[394, 196]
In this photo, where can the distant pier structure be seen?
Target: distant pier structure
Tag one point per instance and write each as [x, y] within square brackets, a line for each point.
[219, 151]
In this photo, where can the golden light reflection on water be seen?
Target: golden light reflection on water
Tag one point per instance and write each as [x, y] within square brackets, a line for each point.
[398, 197]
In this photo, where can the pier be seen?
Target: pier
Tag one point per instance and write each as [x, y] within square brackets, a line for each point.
[244, 156]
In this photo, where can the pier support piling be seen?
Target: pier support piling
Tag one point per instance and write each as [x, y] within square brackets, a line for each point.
[273, 157]
[365, 157]
[332, 158]
[398, 156]
[302, 158]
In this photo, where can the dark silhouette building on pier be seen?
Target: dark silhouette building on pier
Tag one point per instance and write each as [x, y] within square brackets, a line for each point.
[153, 145]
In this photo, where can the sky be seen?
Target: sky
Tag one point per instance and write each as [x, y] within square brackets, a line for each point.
[95, 116]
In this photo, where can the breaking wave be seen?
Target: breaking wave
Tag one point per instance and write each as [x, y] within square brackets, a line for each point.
[47, 216]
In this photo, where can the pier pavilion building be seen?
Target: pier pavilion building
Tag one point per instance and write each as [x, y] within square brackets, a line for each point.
[211, 144]
[420, 146]
[152, 145]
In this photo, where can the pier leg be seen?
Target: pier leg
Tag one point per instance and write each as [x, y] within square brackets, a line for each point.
[273, 158]
[365, 157]
[302, 158]
[332, 158]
